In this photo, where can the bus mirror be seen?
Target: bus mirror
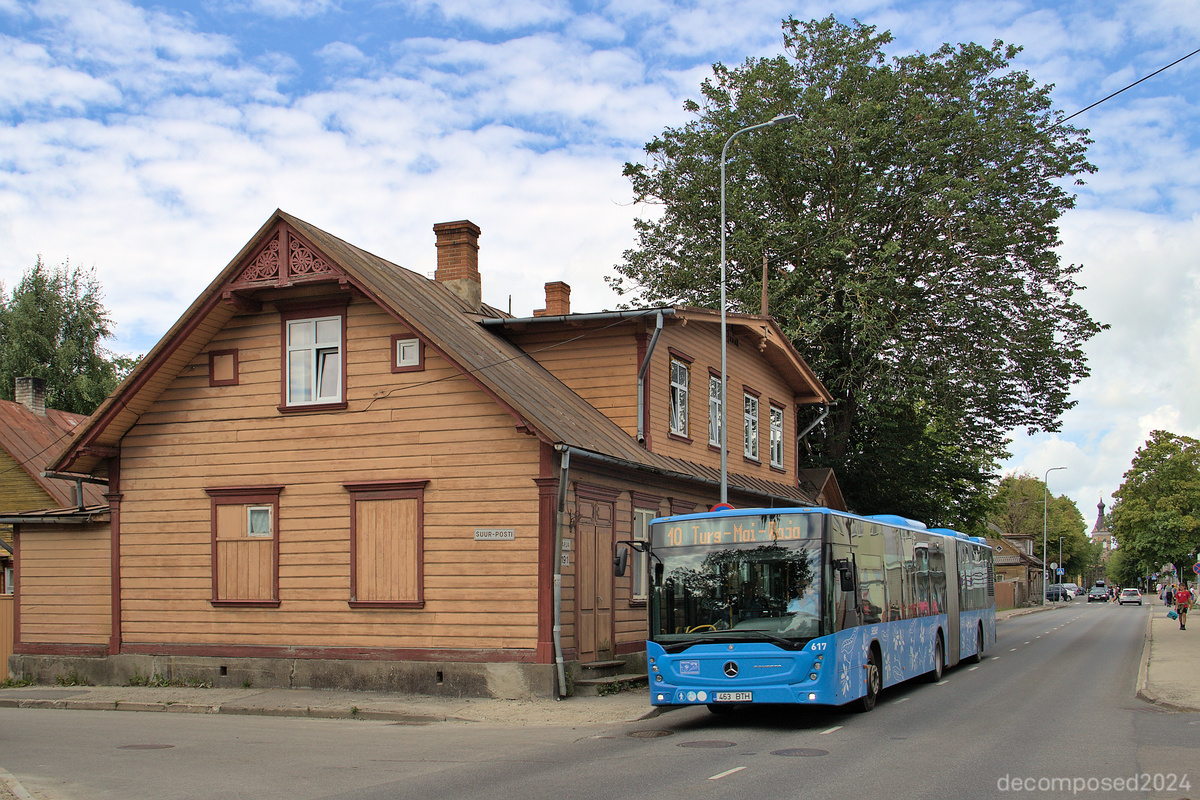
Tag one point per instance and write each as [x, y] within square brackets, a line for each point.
[845, 574]
[620, 562]
[658, 573]
[847, 579]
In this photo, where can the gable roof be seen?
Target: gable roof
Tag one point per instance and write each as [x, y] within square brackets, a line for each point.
[33, 440]
[538, 401]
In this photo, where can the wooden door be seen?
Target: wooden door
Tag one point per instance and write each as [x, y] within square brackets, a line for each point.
[594, 584]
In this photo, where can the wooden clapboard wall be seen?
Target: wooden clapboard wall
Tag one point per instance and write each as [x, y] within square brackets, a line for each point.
[433, 425]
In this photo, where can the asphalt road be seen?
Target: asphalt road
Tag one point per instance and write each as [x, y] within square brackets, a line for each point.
[1049, 713]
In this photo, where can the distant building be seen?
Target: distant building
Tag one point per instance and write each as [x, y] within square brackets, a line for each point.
[1101, 533]
[1018, 570]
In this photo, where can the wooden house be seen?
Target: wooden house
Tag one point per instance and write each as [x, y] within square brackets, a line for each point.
[30, 436]
[335, 472]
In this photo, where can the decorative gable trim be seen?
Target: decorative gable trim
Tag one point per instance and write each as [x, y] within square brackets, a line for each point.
[285, 259]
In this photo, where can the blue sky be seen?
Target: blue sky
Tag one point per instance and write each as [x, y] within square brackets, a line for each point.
[151, 140]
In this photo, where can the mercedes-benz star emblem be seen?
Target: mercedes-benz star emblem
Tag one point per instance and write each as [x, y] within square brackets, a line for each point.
[731, 669]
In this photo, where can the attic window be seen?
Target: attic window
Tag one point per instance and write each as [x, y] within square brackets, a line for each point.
[223, 368]
[313, 355]
[408, 354]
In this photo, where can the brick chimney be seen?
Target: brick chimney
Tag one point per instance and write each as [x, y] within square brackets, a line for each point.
[31, 393]
[558, 300]
[458, 260]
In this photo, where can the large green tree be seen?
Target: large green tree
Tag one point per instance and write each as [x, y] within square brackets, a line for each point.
[1017, 508]
[1156, 517]
[52, 326]
[910, 218]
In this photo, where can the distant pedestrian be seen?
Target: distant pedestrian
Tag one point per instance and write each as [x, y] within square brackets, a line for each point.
[1169, 596]
[1183, 600]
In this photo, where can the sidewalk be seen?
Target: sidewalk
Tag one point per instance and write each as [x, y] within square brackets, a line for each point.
[1169, 676]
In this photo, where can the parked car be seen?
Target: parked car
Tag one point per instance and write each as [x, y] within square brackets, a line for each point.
[1075, 590]
[1130, 596]
[1098, 593]
[1056, 591]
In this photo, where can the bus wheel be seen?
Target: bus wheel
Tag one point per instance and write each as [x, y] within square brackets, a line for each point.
[874, 683]
[939, 662]
[977, 656]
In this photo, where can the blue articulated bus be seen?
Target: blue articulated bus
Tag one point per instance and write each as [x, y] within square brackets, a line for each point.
[809, 606]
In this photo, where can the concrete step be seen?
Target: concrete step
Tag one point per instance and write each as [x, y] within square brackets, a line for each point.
[593, 687]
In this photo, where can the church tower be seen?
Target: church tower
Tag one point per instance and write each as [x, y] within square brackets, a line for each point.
[1101, 533]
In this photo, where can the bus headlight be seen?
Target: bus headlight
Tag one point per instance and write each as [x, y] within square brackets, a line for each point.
[658, 678]
[812, 676]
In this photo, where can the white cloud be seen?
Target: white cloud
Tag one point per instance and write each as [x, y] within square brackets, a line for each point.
[497, 15]
[279, 9]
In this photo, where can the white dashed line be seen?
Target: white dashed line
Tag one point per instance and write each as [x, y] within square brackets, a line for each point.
[941, 683]
[726, 773]
[831, 730]
[903, 700]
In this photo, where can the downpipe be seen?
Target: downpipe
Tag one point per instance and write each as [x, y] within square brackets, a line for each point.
[564, 471]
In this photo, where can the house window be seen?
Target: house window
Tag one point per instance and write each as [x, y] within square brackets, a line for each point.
[750, 418]
[679, 397]
[314, 361]
[387, 544]
[8, 581]
[714, 410]
[408, 354]
[637, 561]
[777, 437]
[245, 546]
[223, 368]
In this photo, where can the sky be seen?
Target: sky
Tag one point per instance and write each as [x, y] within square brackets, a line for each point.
[150, 140]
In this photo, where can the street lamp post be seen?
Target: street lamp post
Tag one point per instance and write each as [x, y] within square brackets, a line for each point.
[782, 118]
[1045, 517]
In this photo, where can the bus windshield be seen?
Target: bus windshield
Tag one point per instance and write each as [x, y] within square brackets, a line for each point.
[731, 578]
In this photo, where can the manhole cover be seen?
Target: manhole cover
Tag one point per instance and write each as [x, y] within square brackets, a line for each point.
[145, 747]
[800, 752]
[706, 743]
[649, 734]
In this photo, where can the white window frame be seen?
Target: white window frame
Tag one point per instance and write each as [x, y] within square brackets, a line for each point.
[679, 396]
[714, 410]
[776, 437]
[750, 426]
[259, 533]
[408, 352]
[638, 590]
[8, 581]
[321, 358]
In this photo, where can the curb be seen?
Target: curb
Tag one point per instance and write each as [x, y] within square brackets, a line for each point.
[353, 712]
[10, 786]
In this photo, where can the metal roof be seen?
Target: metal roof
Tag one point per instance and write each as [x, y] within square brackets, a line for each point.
[541, 403]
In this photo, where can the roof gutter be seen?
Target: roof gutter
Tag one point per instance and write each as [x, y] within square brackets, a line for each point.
[667, 473]
[603, 316]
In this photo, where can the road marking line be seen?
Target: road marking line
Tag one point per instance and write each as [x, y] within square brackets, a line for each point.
[972, 669]
[831, 730]
[995, 657]
[903, 700]
[1015, 649]
[941, 683]
[726, 773]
